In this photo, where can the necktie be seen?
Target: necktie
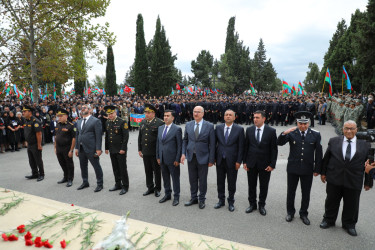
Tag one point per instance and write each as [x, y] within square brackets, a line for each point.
[303, 135]
[196, 131]
[348, 151]
[258, 135]
[226, 135]
[84, 122]
[165, 132]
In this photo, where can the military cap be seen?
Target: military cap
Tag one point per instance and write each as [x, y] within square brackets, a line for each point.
[150, 108]
[110, 109]
[303, 116]
[61, 111]
[27, 108]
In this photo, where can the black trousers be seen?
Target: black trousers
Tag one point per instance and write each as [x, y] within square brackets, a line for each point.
[35, 160]
[252, 180]
[84, 159]
[197, 175]
[167, 172]
[306, 182]
[152, 170]
[120, 169]
[323, 117]
[222, 172]
[65, 161]
[350, 210]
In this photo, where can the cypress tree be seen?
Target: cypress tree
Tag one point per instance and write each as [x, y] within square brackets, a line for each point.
[110, 81]
[141, 72]
[79, 65]
[230, 40]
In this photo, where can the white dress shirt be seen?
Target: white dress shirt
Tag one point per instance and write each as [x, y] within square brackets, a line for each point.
[353, 145]
[225, 129]
[260, 132]
[200, 125]
[87, 118]
[166, 128]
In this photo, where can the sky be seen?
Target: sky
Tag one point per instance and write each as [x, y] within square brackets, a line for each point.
[294, 32]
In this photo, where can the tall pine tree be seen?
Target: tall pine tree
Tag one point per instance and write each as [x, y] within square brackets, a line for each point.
[163, 72]
[141, 71]
[80, 65]
[110, 73]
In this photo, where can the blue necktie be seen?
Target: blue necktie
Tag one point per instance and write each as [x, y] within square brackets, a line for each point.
[258, 135]
[226, 135]
[165, 132]
[348, 151]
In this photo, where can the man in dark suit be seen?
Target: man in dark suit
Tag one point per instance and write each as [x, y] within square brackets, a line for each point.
[370, 169]
[304, 161]
[168, 155]
[89, 146]
[260, 158]
[229, 155]
[198, 148]
[343, 168]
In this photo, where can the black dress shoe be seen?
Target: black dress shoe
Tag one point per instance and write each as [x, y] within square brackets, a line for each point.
[98, 188]
[149, 191]
[202, 205]
[31, 177]
[326, 225]
[305, 220]
[219, 205]
[351, 231]
[40, 178]
[123, 191]
[231, 207]
[69, 184]
[63, 180]
[115, 188]
[262, 211]
[175, 202]
[289, 218]
[165, 198]
[83, 185]
[191, 202]
[250, 209]
[157, 193]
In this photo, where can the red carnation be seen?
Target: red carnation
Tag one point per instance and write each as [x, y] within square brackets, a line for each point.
[29, 242]
[64, 243]
[5, 237]
[21, 229]
[28, 236]
[39, 244]
[47, 244]
[12, 238]
[38, 240]
[72, 205]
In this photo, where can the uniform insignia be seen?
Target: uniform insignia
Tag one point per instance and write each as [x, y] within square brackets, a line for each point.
[75, 129]
[125, 125]
[64, 129]
[315, 130]
[36, 125]
[294, 142]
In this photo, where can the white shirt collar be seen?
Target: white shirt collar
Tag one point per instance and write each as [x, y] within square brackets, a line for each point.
[353, 140]
[261, 128]
[230, 127]
[87, 117]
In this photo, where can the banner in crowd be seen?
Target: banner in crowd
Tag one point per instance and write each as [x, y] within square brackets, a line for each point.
[135, 119]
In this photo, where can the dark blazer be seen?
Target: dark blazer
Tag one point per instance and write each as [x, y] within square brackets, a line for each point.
[169, 150]
[90, 137]
[305, 157]
[234, 148]
[338, 171]
[264, 154]
[204, 145]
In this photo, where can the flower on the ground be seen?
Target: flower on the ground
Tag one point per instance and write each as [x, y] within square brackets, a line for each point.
[29, 242]
[12, 238]
[47, 244]
[5, 237]
[64, 243]
[28, 236]
[21, 229]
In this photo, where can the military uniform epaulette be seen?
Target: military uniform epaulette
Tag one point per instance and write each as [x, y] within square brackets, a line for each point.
[314, 130]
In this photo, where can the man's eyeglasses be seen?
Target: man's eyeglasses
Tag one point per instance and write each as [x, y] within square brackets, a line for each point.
[347, 129]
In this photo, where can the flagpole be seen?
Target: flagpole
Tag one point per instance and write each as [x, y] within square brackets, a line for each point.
[324, 81]
[342, 86]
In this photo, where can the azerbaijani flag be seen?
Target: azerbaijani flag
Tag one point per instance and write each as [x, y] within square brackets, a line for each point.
[346, 79]
[135, 119]
[328, 79]
[286, 87]
[54, 91]
[301, 92]
[252, 88]
[172, 93]
[178, 86]
[294, 90]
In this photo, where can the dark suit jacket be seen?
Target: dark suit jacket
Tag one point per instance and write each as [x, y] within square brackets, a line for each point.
[264, 154]
[338, 171]
[90, 136]
[305, 157]
[234, 148]
[204, 145]
[169, 150]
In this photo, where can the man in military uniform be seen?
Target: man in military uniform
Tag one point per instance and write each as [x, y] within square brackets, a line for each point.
[33, 136]
[65, 141]
[148, 133]
[304, 161]
[116, 143]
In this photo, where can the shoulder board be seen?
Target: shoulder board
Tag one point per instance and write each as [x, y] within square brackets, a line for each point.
[315, 130]
[71, 123]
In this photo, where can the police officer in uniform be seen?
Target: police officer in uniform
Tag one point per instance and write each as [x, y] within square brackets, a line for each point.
[148, 133]
[304, 161]
[33, 135]
[116, 143]
[65, 140]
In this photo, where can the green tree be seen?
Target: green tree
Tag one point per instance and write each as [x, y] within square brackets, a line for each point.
[80, 73]
[129, 77]
[311, 82]
[110, 73]
[141, 71]
[99, 81]
[202, 66]
[230, 41]
[163, 71]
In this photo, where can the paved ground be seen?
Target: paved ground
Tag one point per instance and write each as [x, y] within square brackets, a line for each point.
[270, 231]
